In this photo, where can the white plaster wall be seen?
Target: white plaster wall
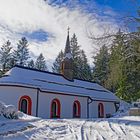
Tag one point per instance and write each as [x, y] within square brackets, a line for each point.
[109, 108]
[11, 95]
[66, 105]
[93, 110]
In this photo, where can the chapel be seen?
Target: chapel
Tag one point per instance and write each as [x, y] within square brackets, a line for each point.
[51, 95]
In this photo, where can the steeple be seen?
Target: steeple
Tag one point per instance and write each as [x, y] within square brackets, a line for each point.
[67, 47]
[67, 63]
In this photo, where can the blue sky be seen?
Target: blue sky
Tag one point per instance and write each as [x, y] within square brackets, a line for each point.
[124, 8]
[121, 6]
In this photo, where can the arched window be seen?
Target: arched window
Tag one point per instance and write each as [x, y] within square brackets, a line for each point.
[25, 105]
[100, 110]
[55, 108]
[76, 109]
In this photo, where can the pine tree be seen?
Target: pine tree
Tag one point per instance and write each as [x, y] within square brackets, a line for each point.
[57, 64]
[84, 68]
[132, 69]
[101, 69]
[81, 67]
[116, 64]
[124, 67]
[5, 56]
[75, 49]
[40, 63]
[21, 54]
[31, 64]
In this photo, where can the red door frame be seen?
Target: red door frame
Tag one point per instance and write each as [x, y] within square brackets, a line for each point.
[78, 113]
[29, 104]
[100, 110]
[58, 108]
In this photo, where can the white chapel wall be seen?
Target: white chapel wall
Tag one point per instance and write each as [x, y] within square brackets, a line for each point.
[12, 95]
[109, 108]
[66, 105]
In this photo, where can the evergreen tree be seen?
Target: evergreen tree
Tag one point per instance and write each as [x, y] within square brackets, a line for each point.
[57, 64]
[5, 56]
[21, 54]
[101, 69]
[40, 63]
[132, 69]
[31, 64]
[75, 49]
[116, 62]
[124, 67]
[81, 67]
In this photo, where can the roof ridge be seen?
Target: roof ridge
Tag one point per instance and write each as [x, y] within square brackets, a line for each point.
[58, 74]
[43, 71]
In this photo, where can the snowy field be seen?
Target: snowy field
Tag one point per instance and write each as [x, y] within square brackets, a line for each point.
[120, 127]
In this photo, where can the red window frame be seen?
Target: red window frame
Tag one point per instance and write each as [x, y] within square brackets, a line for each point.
[100, 110]
[29, 104]
[58, 108]
[78, 108]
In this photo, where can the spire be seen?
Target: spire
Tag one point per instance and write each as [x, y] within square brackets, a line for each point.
[67, 47]
[67, 63]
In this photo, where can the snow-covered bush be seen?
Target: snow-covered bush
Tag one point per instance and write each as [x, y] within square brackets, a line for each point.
[2, 108]
[123, 109]
[8, 111]
[124, 106]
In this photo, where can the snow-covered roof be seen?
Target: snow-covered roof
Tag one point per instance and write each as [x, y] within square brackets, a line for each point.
[51, 82]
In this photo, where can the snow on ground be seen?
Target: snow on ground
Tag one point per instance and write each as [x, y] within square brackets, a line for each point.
[32, 128]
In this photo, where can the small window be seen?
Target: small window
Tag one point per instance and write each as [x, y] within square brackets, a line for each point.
[55, 108]
[76, 109]
[100, 110]
[25, 105]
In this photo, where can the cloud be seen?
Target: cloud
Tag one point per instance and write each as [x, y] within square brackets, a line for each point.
[18, 17]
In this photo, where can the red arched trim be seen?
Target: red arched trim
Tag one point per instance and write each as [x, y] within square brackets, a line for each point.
[100, 110]
[29, 104]
[58, 108]
[78, 108]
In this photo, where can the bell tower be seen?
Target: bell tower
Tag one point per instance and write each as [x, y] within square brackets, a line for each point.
[67, 63]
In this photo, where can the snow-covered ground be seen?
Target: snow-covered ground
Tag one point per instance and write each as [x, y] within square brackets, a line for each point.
[119, 127]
